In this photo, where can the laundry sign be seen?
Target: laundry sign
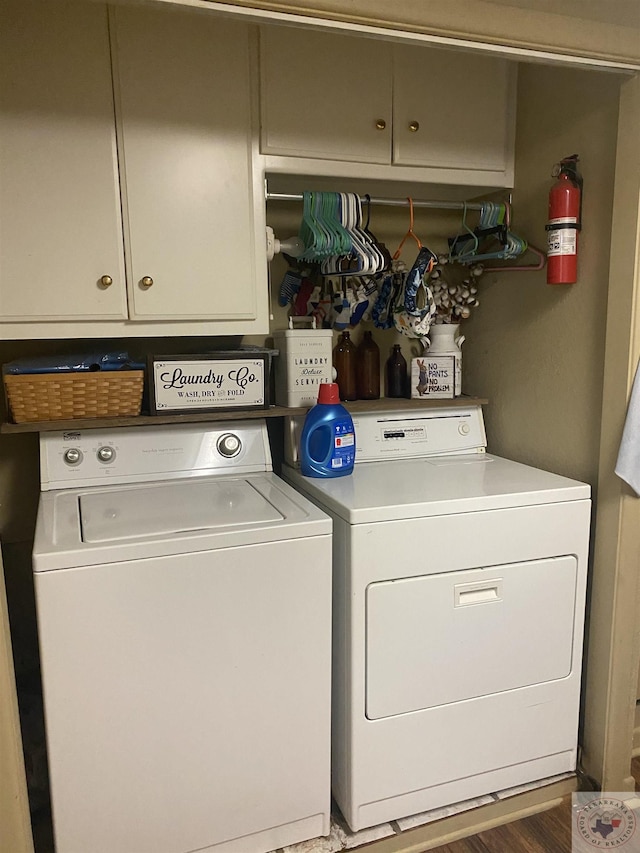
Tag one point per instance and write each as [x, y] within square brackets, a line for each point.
[222, 380]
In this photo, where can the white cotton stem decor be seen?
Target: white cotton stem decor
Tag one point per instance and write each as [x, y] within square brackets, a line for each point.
[454, 300]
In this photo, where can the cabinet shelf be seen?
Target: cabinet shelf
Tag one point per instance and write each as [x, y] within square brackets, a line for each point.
[382, 405]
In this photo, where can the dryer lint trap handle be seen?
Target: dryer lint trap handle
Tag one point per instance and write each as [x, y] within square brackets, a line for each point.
[477, 593]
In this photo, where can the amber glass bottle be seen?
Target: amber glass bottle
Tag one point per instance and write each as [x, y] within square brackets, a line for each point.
[344, 361]
[368, 368]
[396, 373]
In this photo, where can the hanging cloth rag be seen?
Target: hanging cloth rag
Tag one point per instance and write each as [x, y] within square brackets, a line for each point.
[628, 463]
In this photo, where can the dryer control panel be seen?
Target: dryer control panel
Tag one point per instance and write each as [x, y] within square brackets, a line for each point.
[413, 434]
[406, 433]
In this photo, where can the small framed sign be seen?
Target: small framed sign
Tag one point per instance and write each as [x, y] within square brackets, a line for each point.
[208, 382]
[433, 376]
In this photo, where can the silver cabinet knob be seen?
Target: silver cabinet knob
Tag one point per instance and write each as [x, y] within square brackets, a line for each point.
[106, 454]
[229, 445]
[414, 126]
[381, 124]
[106, 281]
[146, 282]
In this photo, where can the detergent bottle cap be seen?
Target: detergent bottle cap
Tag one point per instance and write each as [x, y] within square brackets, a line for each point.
[328, 392]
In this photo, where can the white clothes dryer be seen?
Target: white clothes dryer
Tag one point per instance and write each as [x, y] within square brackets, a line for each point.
[184, 615]
[459, 596]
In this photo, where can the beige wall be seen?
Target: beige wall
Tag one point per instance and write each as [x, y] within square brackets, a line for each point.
[614, 618]
[535, 350]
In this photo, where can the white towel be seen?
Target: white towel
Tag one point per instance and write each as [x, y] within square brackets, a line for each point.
[628, 463]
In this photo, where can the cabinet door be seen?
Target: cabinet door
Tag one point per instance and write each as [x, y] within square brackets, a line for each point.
[325, 95]
[184, 107]
[452, 110]
[60, 226]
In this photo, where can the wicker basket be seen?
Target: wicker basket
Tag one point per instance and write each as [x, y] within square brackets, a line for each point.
[58, 396]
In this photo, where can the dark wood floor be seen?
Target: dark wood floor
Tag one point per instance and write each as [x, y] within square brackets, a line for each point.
[548, 832]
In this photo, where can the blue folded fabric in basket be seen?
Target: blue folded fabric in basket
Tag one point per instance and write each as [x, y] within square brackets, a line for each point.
[73, 363]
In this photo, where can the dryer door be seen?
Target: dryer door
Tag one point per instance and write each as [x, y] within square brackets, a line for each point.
[449, 637]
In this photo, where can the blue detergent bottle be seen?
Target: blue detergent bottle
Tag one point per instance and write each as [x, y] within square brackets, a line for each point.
[327, 444]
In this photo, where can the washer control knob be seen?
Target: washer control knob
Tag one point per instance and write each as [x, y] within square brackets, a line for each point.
[106, 454]
[229, 445]
[73, 456]
[464, 428]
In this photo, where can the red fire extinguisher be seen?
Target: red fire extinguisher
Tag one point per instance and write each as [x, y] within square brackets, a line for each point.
[565, 220]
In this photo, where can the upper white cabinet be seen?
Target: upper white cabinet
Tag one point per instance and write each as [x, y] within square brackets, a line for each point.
[336, 97]
[452, 110]
[175, 201]
[184, 108]
[60, 225]
[325, 95]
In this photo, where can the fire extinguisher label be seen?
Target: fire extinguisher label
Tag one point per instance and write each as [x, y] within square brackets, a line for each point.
[562, 242]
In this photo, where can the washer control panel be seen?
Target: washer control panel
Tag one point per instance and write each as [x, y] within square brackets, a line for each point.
[139, 454]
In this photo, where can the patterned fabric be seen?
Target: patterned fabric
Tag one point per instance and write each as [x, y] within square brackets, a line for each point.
[414, 307]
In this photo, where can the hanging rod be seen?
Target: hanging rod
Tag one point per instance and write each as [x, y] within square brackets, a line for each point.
[389, 202]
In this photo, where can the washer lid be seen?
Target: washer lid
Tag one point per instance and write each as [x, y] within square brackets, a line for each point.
[115, 514]
[415, 488]
[96, 525]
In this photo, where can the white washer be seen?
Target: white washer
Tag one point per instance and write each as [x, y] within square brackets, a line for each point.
[459, 595]
[184, 616]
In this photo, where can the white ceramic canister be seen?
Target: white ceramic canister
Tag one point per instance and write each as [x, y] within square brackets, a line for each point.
[445, 339]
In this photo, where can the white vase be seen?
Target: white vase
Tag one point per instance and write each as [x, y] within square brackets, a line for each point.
[445, 339]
